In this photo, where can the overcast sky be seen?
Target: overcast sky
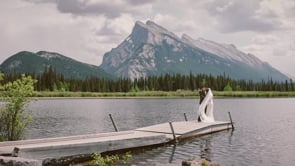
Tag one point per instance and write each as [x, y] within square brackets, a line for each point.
[85, 29]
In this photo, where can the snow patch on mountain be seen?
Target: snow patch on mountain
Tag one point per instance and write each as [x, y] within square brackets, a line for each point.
[47, 55]
[147, 52]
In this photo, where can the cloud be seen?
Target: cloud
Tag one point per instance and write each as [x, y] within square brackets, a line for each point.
[114, 30]
[138, 2]
[289, 8]
[106, 8]
[277, 48]
[275, 44]
[184, 16]
[252, 15]
[78, 7]
[86, 29]
[24, 28]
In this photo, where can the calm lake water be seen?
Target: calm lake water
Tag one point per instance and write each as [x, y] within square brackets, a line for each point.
[264, 135]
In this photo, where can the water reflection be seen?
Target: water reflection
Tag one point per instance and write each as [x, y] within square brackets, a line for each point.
[172, 153]
[264, 132]
[206, 148]
[202, 147]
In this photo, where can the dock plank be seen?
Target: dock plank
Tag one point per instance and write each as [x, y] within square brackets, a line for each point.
[180, 128]
[41, 149]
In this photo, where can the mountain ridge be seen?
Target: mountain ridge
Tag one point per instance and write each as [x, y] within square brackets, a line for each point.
[29, 62]
[151, 49]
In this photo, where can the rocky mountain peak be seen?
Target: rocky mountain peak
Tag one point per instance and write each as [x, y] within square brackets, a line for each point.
[151, 27]
[153, 50]
[156, 28]
[151, 33]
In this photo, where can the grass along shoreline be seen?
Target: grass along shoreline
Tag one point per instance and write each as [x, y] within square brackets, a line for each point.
[163, 94]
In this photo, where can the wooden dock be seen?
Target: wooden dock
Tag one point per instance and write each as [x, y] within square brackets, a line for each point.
[55, 148]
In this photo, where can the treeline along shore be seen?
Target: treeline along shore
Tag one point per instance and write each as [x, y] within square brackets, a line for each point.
[52, 84]
[161, 94]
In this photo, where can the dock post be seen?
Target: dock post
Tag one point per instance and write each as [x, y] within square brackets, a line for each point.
[185, 118]
[231, 121]
[114, 124]
[172, 154]
[172, 130]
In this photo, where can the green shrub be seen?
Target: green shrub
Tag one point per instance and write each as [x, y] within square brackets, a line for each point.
[14, 118]
[98, 160]
[227, 88]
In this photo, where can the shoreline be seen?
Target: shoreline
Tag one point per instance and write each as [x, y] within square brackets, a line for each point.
[161, 94]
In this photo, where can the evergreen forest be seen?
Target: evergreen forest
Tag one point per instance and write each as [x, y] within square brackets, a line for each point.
[50, 80]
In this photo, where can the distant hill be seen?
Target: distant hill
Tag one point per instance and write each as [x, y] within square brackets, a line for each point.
[25, 61]
[153, 50]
